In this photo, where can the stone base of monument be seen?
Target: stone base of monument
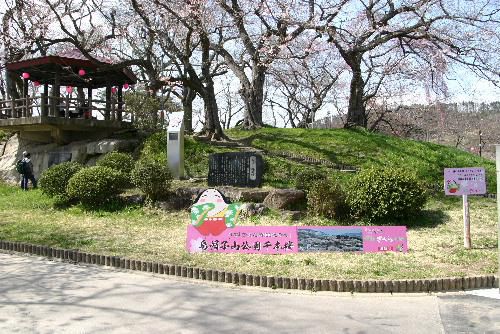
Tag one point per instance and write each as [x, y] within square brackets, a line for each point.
[253, 209]
[286, 199]
[256, 201]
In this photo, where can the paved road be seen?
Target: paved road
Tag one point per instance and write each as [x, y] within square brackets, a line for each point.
[41, 296]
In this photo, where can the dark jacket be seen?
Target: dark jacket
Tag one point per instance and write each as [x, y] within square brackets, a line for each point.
[28, 166]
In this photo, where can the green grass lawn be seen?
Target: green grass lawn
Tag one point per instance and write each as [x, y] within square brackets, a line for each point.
[435, 240]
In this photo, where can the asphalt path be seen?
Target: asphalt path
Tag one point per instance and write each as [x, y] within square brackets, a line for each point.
[42, 296]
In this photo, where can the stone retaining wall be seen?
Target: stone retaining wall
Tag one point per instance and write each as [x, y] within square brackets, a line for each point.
[392, 286]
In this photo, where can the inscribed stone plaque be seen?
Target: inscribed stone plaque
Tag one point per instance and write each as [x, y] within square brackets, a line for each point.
[55, 158]
[241, 169]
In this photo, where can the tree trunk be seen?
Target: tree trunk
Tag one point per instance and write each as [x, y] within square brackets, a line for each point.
[253, 98]
[188, 95]
[356, 112]
[212, 126]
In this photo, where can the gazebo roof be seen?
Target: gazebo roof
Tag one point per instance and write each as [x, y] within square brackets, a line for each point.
[67, 64]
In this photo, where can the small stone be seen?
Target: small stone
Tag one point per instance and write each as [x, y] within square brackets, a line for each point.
[284, 199]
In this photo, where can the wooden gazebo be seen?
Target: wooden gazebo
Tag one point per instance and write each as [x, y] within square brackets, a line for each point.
[63, 115]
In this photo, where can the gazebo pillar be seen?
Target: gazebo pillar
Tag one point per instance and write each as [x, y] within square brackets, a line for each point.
[45, 100]
[54, 101]
[107, 112]
[24, 110]
[11, 87]
[120, 103]
[89, 101]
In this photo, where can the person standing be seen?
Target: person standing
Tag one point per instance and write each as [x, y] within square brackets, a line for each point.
[27, 172]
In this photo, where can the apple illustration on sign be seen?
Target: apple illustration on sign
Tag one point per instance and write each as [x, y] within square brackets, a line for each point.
[452, 186]
[212, 213]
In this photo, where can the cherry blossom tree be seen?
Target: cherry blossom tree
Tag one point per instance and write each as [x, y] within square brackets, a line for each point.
[302, 86]
[23, 27]
[255, 34]
[377, 34]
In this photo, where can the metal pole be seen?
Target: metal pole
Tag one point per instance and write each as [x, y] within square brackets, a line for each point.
[480, 143]
[498, 208]
[467, 240]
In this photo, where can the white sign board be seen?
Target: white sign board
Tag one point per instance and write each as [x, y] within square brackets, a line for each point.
[175, 144]
[464, 181]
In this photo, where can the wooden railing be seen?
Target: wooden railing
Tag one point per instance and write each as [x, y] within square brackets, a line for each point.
[65, 107]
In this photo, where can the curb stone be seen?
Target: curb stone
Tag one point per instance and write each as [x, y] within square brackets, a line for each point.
[361, 286]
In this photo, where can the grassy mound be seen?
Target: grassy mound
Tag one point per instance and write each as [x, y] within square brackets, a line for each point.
[364, 149]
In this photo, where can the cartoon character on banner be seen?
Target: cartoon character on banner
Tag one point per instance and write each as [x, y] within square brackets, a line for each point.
[452, 186]
[212, 213]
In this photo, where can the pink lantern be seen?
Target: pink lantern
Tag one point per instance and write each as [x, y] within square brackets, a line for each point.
[36, 83]
[125, 86]
[69, 89]
[81, 72]
[26, 75]
[113, 90]
[472, 149]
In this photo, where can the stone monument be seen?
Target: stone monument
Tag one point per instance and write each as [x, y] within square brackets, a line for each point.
[240, 169]
[175, 144]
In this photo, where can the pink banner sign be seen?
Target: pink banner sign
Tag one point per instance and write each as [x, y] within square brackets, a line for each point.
[464, 181]
[366, 239]
[245, 239]
[293, 239]
[384, 239]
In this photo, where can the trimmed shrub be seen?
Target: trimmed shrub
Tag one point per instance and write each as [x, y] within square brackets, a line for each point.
[122, 162]
[388, 193]
[155, 147]
[327, 198]
[95, 186]
[306, 178]
[152, 177]
[54, 180]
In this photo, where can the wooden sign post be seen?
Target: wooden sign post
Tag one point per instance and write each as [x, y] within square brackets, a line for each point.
[465, 181]
[467, 241]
